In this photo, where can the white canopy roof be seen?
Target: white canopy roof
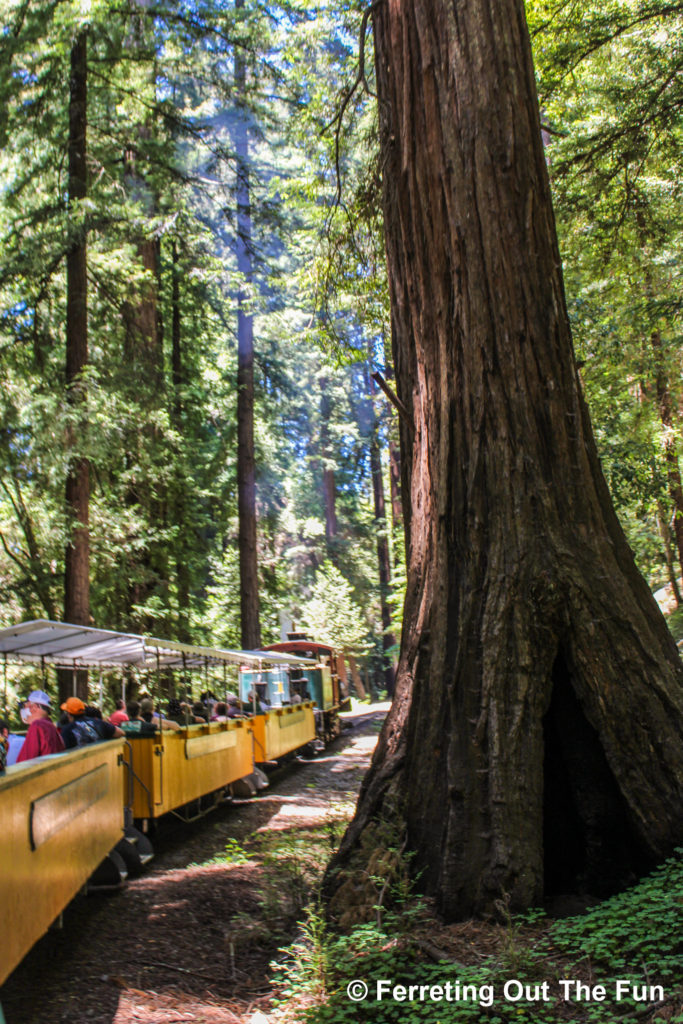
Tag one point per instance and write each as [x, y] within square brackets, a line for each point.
[68, 645]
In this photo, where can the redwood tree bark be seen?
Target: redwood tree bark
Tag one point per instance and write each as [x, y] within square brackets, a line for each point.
[246, 467]
[536, 736]
[77, 553]
[147, 570]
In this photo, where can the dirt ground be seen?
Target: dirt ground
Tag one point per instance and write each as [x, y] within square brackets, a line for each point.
[192, 939]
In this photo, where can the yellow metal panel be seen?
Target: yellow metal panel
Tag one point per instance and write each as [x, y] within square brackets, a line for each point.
[185, 765]
[282, 730]
[61, 815]
[199, 746]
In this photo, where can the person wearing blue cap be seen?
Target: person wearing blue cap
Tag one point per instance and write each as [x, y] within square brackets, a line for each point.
[43, 736]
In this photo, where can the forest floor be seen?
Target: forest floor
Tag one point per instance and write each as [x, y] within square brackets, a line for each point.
[193, 938]
[217, 931]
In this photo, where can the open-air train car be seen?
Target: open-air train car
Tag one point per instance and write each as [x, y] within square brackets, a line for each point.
[315, 673]
[63, 815]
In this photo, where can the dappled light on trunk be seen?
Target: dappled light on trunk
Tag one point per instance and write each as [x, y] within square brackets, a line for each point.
[539, 695]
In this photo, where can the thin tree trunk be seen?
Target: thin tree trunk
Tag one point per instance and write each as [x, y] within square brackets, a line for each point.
[383, 556]
[394, 464]
[180, 504]
[77, 554]
[670, 434]
[328, 477]
[246, 469]
[665, 536]
[395, 484]
[355, 675]
[148, 493]
[535, 741]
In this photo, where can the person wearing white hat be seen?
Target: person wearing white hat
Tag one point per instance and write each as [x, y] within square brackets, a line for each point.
[43, 736]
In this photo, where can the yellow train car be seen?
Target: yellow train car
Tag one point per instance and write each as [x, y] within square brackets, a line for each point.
[282, 730]
[61, 815]
[173, 769]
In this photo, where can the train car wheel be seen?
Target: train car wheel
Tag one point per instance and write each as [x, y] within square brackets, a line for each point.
[136, 850]
[111, 874]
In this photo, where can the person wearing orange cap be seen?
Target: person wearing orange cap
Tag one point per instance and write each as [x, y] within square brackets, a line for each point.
[81, 729]
[43, 735]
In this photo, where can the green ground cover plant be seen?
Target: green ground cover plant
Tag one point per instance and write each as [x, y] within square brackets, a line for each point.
[622, 960]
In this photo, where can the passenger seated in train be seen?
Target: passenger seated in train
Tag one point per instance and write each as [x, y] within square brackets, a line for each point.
[175, 712]
[200, 713]
[148, 714]
[220, 712]
[4, 743]
[154, 721]
[234, 707]
[134, 724]
[118, 716]
[257, 703]
[190, 713]
[43, 735]
[83, 727]
[181, 712]
[14, 742]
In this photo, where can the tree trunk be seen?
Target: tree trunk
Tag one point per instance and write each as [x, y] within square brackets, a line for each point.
[355, 675]
[383, 557]
[180, 505]
[667, 546]
[148, 492]
[246, 470]
[77, 553]
[395, 484]
[328, 478]
[536, 736]
[394, 465]
[670, 433]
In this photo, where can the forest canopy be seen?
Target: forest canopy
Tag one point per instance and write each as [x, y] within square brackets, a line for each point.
[183, 106]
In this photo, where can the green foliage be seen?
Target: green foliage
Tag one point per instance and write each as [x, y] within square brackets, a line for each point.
[635, 937]
[610, 92]
[332, 615]
[234, 854]
[159, 428]
[635, 931]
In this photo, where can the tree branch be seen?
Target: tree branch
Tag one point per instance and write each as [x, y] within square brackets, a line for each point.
[360, 79]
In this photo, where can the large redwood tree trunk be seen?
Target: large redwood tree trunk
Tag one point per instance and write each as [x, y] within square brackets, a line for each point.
[535, 741]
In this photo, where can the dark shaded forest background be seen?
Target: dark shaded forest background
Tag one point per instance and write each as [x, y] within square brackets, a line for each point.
[232, 184]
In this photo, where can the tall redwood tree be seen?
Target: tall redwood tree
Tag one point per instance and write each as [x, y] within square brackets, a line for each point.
[536, 737]
[77, 554]
[246, 463]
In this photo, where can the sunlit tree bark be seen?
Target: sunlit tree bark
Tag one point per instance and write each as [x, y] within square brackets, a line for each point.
[535, 743]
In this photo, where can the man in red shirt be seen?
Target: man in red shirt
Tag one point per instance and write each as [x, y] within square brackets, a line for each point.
[118, 716]
[43, 736]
